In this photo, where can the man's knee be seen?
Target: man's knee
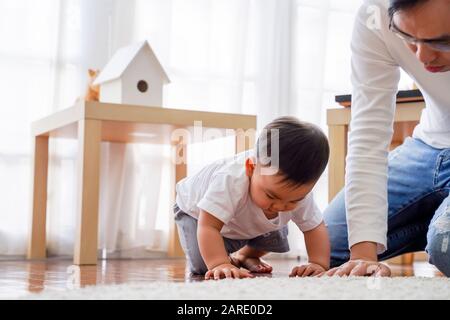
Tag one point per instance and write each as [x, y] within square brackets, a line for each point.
[336, 221]
[334, 213]
[438, 247]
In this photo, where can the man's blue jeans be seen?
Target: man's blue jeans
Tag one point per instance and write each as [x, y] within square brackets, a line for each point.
[419, 207]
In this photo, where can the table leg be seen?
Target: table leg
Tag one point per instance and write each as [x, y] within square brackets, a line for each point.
[337, 136]
[175, 250]
[37, 239]
[245, 140]
[86, 241]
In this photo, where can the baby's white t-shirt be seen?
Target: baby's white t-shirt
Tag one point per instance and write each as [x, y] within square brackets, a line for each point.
[222, 189]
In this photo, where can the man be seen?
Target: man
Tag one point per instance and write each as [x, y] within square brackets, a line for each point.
[397, 202]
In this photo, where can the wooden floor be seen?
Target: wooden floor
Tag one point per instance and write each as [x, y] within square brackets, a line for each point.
[20, 277]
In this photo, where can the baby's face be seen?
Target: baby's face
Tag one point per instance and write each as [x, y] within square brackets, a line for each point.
[272, 195]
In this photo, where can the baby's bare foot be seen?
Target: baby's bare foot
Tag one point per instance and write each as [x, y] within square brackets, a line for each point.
[256, 265]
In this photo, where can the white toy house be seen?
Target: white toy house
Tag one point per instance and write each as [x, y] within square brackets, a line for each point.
[134, 75]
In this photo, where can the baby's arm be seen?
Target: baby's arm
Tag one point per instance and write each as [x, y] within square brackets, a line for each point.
[318, 248]
[213, 251]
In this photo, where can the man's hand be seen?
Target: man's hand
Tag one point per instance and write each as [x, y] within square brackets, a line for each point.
[360, 268]
[227, 270]
[307, 270]
[363, 262]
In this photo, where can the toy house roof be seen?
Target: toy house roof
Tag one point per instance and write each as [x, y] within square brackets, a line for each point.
[122, 59]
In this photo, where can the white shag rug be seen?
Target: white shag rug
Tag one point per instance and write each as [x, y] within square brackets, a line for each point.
[261, 288]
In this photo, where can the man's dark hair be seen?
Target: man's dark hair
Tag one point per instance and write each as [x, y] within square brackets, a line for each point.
[303, 150]
[401, 5]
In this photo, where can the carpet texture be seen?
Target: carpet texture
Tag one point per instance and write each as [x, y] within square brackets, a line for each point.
[262, 288]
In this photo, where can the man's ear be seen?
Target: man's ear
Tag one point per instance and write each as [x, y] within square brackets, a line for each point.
[249, 166]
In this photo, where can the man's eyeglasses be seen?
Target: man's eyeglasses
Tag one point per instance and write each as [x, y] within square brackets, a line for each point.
[437, 45]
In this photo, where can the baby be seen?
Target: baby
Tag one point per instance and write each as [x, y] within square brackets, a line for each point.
[234, 211]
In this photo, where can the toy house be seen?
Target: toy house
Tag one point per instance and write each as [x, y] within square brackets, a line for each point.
[134, 76]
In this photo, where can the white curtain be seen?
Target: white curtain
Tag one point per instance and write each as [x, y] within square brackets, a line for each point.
[264, 57]
[46, 48]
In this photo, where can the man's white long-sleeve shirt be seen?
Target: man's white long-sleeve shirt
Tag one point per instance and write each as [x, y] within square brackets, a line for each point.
[377, 56]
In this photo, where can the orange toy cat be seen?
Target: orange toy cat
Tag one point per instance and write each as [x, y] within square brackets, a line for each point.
[92, 91]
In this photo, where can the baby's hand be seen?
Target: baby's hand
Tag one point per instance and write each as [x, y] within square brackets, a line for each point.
[227, 270]
[307, 270]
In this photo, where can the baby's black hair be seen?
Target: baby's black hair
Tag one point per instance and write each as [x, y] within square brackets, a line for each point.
[303, 150]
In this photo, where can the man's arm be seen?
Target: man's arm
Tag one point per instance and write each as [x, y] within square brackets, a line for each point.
[375, 77]
[365, 250]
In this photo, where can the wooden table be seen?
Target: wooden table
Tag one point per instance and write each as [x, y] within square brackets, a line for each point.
[94, 122]
[406, 118]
